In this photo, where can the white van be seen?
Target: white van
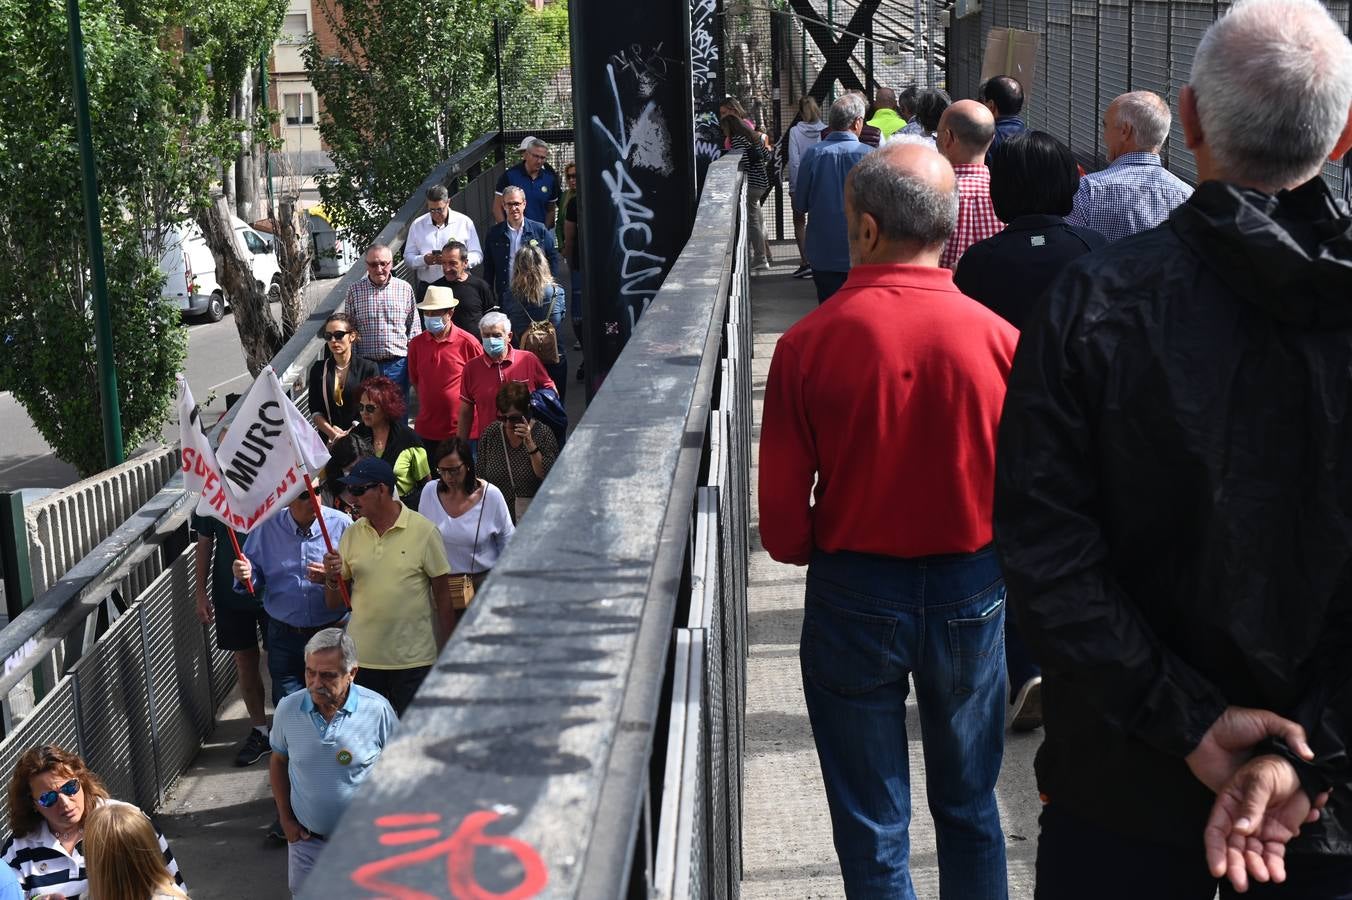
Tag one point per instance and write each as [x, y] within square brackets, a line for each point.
[190, 270]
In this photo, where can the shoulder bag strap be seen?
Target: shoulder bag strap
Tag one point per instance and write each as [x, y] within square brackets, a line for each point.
[502, 433]
[328, 389]
[474, 554]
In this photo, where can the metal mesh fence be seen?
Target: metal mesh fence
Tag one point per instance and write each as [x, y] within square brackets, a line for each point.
[1089, 52]
[535, 80]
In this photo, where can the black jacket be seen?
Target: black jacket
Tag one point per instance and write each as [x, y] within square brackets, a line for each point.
[1173, 503]
[1008, 272]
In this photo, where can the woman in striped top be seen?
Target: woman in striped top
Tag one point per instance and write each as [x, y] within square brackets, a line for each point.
[755, 157]
[50, 794]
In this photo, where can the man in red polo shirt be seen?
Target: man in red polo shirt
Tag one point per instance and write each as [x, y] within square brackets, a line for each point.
[483, 378]
[436, 363]
[888, 396]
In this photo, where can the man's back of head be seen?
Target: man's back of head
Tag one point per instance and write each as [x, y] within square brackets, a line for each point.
[884, 98]
[1002, 95]
[847, 114]
[902, 205]
[1270, 94]
[966, 130]
[1136, 122]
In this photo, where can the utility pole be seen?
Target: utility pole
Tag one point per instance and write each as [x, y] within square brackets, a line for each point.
[103, 320]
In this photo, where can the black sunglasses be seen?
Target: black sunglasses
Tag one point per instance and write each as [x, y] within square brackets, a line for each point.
[367, 407]
[335, 335]
[48, 799]
[514, 419]
[356, 490]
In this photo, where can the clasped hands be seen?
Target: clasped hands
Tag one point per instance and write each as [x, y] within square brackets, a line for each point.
[1260, 805]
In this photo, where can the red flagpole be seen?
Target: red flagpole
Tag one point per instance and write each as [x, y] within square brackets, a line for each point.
[328, 541]
[239, 555]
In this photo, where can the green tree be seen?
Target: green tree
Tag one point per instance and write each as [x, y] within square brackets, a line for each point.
[411, 83]
[158, 146]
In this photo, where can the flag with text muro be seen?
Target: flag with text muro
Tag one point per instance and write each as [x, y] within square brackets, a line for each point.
[262, 461]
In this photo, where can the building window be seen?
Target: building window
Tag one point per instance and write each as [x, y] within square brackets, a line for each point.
[299, 109]
[296, 27]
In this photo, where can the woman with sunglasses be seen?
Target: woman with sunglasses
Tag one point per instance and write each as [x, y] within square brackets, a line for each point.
[471, 515]
[382, 422]
[336, 377]
[51, 794]
[516, 452]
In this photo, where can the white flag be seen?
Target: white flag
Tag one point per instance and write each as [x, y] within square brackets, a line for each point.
[201, 473]
[267, 453]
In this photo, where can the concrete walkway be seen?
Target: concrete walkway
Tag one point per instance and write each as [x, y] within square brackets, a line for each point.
[787, 832]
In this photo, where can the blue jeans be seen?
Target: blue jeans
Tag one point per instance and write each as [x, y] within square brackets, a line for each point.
[286, 660]
[870, 621]
[397, 371]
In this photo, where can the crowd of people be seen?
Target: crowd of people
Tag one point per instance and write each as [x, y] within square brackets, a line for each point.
[1117, 406]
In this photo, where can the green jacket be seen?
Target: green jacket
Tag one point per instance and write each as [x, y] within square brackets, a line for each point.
[887, 121]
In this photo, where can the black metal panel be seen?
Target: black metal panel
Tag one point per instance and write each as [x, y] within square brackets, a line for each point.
[706, 75]
[110, 686]
[1187, 23]
[635, 153]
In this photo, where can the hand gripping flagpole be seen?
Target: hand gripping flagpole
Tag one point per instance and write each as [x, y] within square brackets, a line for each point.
[324, 529]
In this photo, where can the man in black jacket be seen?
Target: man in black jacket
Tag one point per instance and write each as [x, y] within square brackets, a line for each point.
[1174, 502]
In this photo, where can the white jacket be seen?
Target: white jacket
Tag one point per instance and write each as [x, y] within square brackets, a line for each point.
[801, 137]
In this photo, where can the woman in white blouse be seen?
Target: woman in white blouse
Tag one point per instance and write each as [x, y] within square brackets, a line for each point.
[471, 516]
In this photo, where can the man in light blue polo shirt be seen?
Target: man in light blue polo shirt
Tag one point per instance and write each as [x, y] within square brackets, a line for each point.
[325, 739]
[286, 555]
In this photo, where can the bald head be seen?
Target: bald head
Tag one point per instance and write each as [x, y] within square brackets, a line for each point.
[966, 130]
[884, 98]
[901, 204]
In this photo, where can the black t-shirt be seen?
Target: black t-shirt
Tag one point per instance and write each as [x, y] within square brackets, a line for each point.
[570, 215]
[476, 298]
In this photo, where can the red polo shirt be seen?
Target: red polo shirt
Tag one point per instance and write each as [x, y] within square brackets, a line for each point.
[435, 368]
[888, 395]
[485, 376]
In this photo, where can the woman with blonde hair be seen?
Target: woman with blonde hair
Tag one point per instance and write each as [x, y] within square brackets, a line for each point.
[52, 793]
[124, 858]
[806, 132]
[535, 303]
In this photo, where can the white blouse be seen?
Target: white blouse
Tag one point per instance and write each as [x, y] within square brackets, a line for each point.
[475, 539]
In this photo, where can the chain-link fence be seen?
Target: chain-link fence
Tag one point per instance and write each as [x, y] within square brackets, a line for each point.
[535, 80]
[1090, 52]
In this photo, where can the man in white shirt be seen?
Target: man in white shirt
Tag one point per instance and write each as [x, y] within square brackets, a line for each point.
[430, 232]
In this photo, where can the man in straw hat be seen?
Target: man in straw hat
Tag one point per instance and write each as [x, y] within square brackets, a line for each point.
[436, 362]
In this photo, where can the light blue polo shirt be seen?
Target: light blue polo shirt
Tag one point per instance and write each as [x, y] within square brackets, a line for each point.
[326, 761]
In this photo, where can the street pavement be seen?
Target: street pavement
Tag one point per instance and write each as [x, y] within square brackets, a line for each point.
[215, 368]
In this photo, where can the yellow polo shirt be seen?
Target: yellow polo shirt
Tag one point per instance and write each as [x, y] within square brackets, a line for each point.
[391, 590]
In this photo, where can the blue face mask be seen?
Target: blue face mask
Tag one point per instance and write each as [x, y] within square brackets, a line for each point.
[495, 346]
[434, 324]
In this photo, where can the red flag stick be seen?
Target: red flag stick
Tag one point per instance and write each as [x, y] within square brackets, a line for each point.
[328, 541]
[239, 555]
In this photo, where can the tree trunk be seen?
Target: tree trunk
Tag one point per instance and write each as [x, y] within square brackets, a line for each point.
[293, 255]
[246, 172]
[259, 335]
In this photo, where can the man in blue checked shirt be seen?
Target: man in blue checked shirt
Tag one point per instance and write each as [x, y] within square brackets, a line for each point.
[1135, 192]
[286, 555]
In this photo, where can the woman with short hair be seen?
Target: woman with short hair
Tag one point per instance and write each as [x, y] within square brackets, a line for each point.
[336, 377]
[124, 859]
[516, 452]
[382, 423]
[51, 793]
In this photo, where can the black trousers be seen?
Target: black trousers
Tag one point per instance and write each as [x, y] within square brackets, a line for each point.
[1077, 859]
[396, 685]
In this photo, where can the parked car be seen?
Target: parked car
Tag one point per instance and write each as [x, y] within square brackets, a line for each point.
[190, 270]
[333, 251]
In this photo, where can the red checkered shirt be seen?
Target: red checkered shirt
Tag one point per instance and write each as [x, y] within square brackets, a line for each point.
[386, 317]
[976, 216]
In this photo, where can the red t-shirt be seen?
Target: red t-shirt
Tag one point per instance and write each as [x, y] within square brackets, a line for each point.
[889, 395]
[484, 378]
[434, 368]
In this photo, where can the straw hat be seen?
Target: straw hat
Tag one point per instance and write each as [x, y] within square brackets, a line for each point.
[438, 298]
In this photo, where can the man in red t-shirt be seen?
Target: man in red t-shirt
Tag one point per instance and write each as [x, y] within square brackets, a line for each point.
[877, 472]
[436, 361]
[500, 363]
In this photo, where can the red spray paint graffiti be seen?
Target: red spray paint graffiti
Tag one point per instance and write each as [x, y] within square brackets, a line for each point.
[458, 850]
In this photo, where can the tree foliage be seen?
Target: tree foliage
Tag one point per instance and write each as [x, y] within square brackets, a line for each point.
[158, 146]
[412, 81]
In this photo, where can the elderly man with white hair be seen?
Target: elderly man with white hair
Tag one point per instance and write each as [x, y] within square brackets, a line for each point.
[325, 740]
[820, 194]
[1135, 192]
[1173, 498]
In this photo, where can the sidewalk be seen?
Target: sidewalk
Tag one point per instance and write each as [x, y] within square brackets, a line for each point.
[787, 849]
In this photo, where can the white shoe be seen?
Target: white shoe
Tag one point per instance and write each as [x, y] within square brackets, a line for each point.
[1028, 706]
[762, 266]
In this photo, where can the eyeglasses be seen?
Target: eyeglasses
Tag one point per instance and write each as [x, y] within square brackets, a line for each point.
[356, 490]
[48, 799]
[379, 264]
[450, 471]
[367, 407]
[514, 419]
[335, 335]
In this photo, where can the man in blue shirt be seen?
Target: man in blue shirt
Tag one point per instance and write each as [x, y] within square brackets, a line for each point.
[537, 179]
[286, 554]
[820, 193]
[1135, 192]
[1003, 96]
[325, 740]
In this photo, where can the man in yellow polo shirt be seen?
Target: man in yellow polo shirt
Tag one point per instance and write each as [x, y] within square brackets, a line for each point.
[399, 581]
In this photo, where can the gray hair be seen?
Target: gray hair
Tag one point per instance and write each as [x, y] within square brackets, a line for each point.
[437, 192]
[1273, 81]
[844, 111]
[513, 189]
[334, 639]
[378, 246]
[907, 209]
[491, 319]
[1149, 118]
[536, 143]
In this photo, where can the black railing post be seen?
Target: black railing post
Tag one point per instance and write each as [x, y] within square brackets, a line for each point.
[14, 563]
[497, 71]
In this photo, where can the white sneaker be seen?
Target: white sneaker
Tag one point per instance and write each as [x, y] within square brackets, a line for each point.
[1028, 706]
[762, 266]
